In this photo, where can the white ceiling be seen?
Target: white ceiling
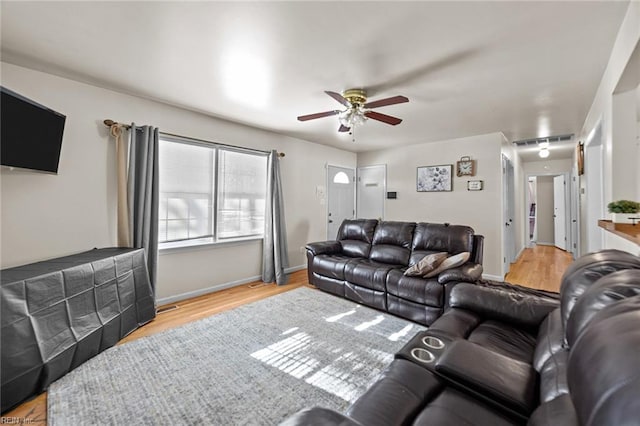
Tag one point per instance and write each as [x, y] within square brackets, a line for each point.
[528, 69]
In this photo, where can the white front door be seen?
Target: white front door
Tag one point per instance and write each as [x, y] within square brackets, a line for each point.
[372, 187]
[341, 198]
[559, 212]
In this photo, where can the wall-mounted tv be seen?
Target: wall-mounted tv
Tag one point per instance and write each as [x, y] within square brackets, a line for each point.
[30, 133]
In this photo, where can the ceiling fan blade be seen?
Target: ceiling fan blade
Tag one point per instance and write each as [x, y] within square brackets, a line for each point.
[338, 97]
[318, 115]
[383, 117]
[387, 101]
[343, 128]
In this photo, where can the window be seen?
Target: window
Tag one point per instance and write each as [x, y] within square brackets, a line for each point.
[209, 193]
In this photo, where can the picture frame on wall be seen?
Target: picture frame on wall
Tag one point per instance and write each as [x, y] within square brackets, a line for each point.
[434, 178]
[580, 157]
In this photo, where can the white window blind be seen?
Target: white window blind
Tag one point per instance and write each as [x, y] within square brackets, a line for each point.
[192, 176]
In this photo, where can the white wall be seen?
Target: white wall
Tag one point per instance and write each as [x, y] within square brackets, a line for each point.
[46, 216]
[602, 108]
[481, 210]
[624, 149]
[547, 167]
[544, 210]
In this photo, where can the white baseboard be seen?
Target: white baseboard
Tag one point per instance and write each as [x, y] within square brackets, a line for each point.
[542, 243]
[492, 277]
[218, 287]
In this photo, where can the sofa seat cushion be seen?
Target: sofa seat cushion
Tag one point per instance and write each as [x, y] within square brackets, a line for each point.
[454, 408]
[331, 266]
[368, 273]
[416, 289]
[505, 339]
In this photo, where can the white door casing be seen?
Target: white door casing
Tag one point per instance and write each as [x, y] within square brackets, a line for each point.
[508, 212]
[340, 198]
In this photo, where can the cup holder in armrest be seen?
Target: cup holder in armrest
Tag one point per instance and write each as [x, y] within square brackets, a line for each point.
[422, 355]
[432, 342]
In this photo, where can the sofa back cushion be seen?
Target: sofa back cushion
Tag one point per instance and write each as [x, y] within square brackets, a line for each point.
[356, 235]
[606, 291]
[392, 243]
[604, 364]
[588, 269]
[436, 237]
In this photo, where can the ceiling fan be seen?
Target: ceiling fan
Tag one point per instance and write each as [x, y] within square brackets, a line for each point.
[358, 110]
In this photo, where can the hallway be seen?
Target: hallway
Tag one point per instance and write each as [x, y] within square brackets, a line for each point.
[540, 267]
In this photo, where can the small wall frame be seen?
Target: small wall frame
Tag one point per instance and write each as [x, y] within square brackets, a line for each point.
[475, 185]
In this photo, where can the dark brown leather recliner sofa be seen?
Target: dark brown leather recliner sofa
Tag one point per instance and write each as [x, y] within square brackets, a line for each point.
[503, 357]
[366, 264]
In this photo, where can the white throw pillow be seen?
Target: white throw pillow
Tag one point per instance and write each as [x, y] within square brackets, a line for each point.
[450, 262]
[426, 264]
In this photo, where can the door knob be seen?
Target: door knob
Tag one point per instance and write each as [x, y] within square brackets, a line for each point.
[330, 221]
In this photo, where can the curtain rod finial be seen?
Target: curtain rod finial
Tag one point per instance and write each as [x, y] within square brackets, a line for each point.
[108, 122]
[281, 154]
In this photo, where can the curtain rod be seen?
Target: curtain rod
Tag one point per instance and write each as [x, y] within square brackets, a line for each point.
[108, 122]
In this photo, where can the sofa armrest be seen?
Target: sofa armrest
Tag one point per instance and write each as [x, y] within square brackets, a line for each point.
[478, 248]
[502, 304]
[507, 381]
[325, 247]
[469, 272]
[318, 416]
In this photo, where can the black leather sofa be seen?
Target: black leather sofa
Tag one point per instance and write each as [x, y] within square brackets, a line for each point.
[366, 264]
[500, 357]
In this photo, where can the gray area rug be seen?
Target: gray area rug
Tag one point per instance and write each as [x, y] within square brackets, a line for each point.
[253, 365]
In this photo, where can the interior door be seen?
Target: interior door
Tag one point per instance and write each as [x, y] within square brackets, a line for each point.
[508, 212]
[372, 187]
[340, 198]
[559, 212]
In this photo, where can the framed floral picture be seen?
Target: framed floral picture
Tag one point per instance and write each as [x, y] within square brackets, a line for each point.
[434, 178]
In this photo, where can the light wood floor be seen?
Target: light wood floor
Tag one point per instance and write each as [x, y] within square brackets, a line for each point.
[540, 267]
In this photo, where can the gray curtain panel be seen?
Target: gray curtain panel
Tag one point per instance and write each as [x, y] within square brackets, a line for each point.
[275, 253]
[142, 190]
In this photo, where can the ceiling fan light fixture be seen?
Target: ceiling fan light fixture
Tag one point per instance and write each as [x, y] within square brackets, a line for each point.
[352, 117]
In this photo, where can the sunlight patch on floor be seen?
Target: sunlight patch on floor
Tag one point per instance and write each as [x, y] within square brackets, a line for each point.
[344, 375]
[369, 324]
[340, 316]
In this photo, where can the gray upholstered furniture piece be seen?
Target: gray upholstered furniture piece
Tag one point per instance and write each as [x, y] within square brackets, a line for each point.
[367, 261]
[59, 313]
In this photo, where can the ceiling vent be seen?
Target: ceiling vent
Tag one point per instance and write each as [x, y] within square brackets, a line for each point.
[538, 141]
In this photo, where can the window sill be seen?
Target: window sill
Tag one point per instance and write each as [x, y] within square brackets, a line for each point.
[181, 246]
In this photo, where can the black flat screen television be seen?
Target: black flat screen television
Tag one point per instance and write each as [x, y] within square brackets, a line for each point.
[30, 133]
